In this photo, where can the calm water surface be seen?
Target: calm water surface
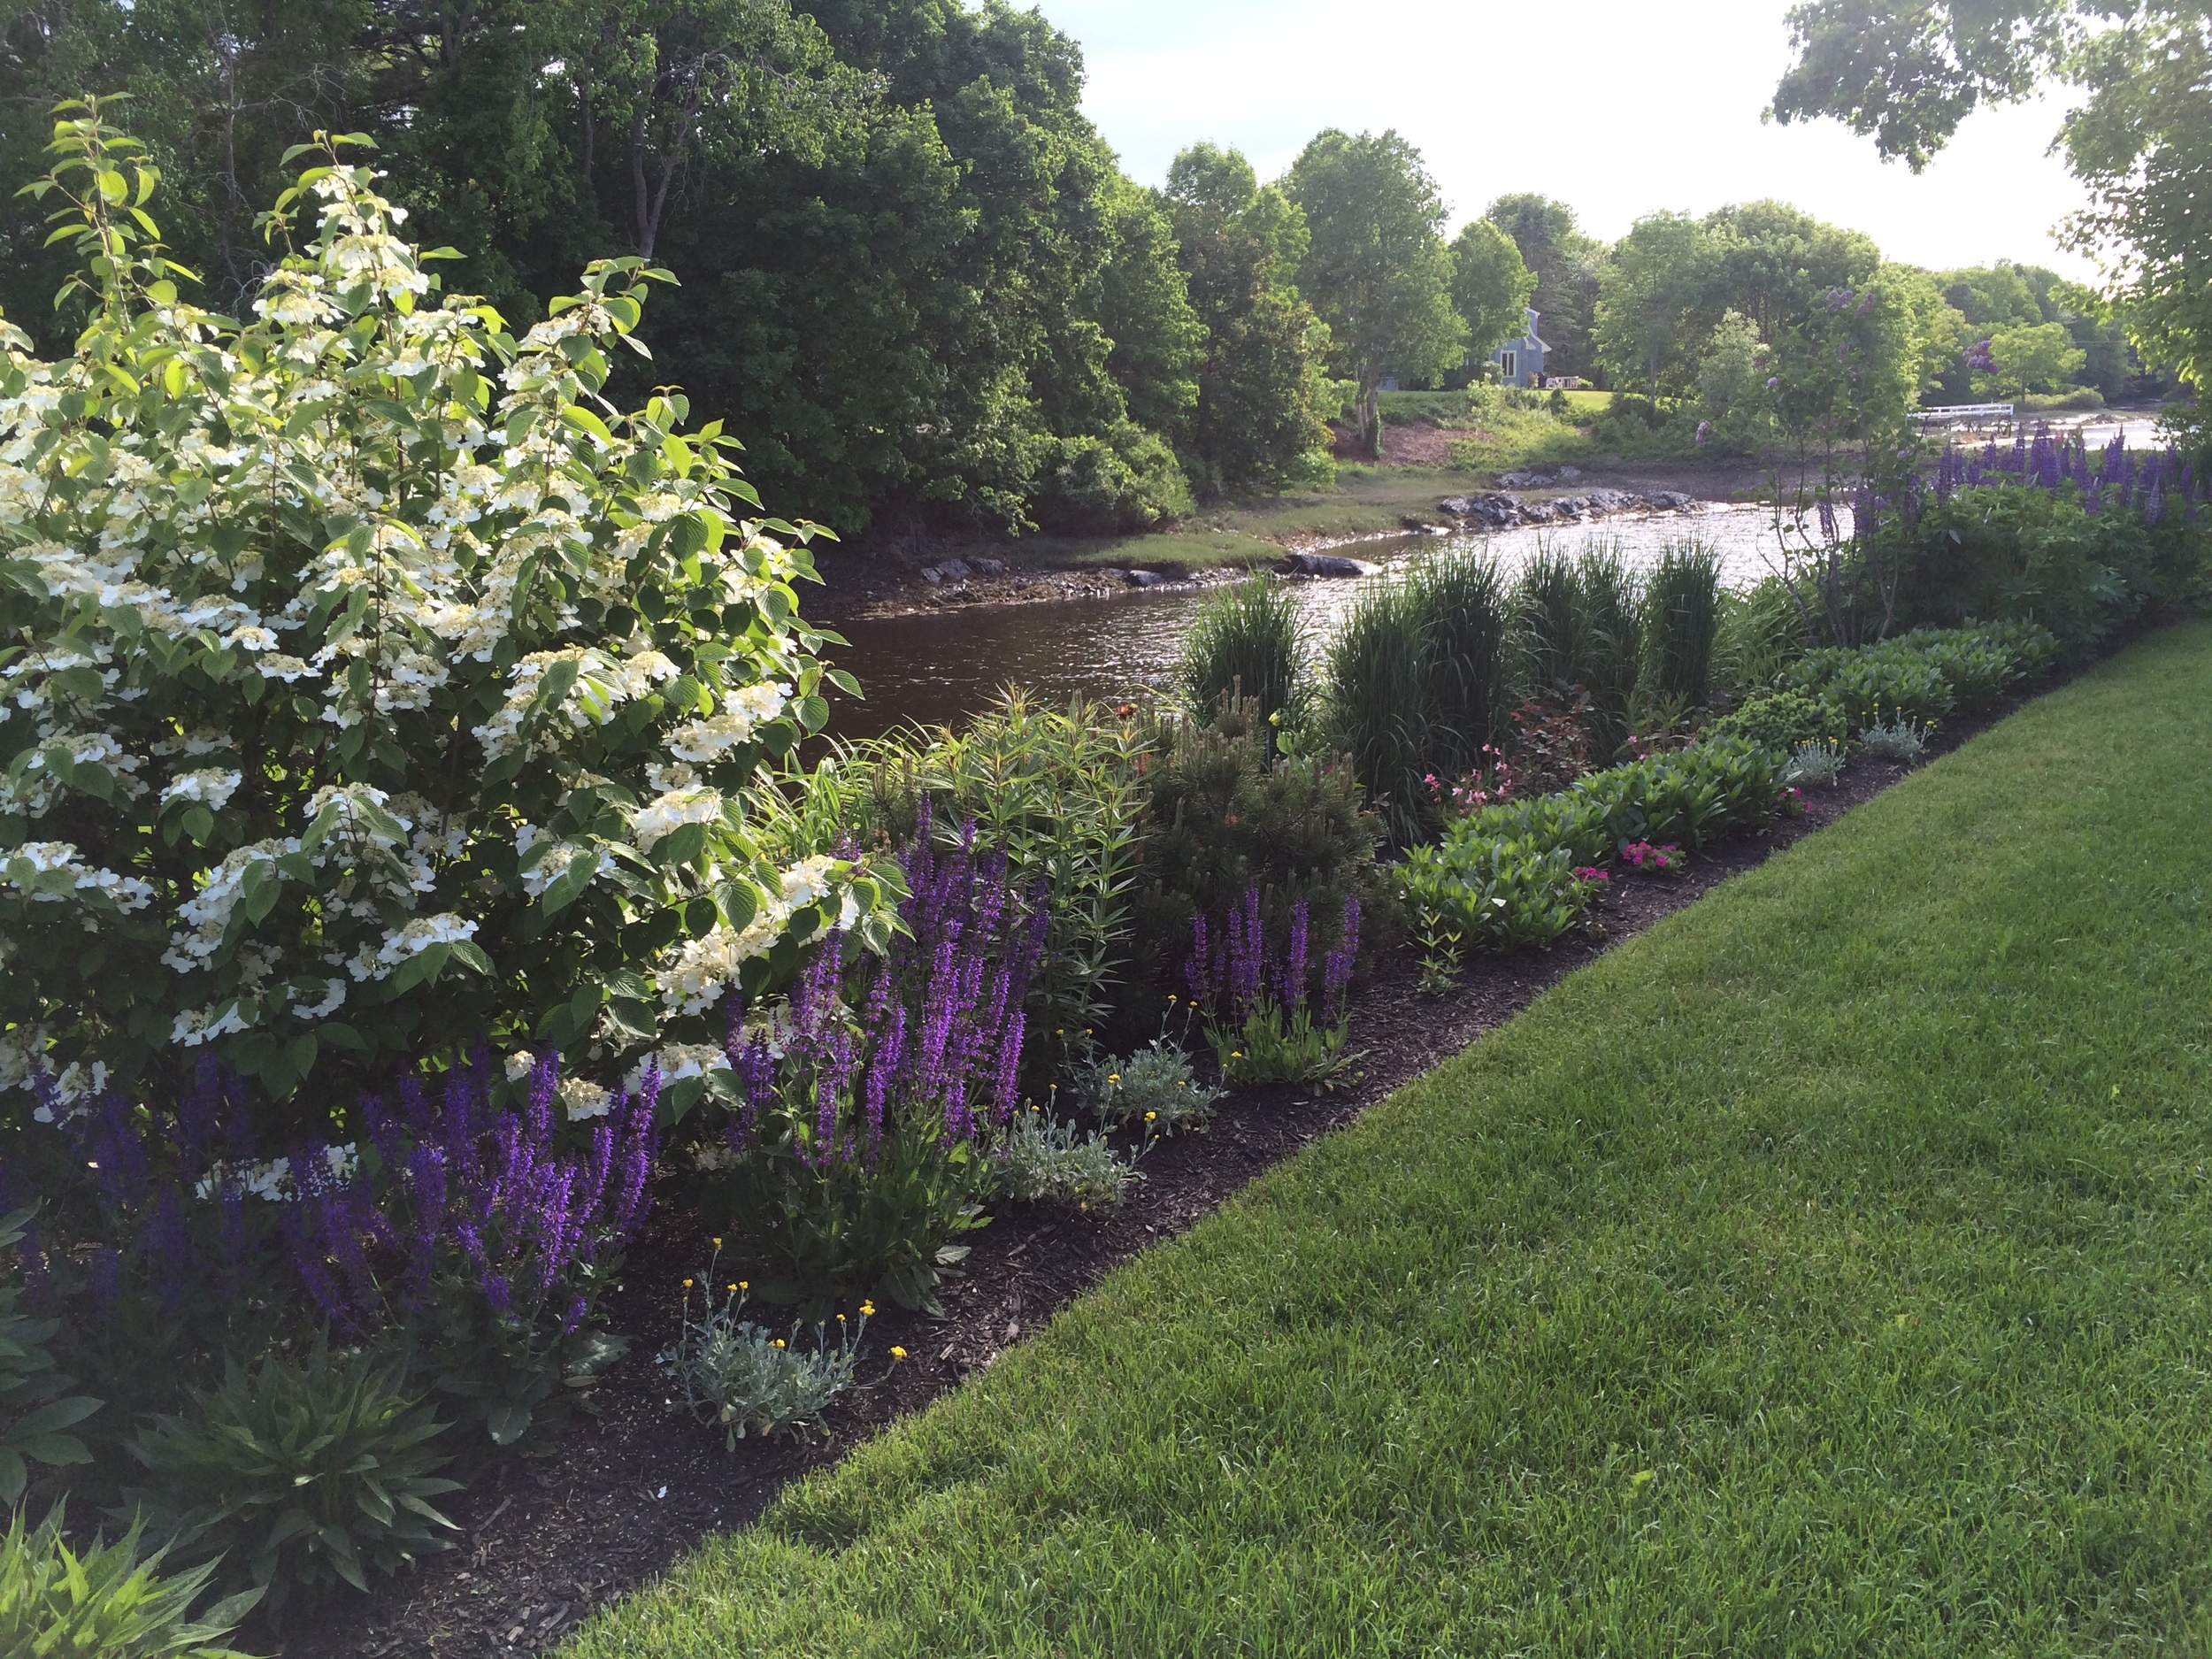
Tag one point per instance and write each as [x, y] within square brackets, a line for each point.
[946, 665]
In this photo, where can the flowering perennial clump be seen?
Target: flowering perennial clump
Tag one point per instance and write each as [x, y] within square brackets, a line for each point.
[455, 1214]
[858, 1114]
[368, 682]
[1259, 1010]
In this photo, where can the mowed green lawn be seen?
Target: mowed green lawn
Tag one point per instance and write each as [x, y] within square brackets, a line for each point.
[1824, 1272]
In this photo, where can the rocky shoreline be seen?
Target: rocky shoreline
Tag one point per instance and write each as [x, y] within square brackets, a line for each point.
[972, 580]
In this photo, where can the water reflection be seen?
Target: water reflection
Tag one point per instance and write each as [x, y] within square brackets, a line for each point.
[944, 666]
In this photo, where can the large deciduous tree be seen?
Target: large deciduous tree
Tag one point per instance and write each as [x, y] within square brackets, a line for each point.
[1567, 264]
[1377, 270]
[1260, 385]
[1491, 285]
[1908, 72]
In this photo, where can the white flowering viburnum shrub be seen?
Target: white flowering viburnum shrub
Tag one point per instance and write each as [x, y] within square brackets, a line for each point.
[370, 685]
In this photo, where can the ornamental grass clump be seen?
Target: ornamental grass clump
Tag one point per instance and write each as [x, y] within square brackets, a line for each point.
[1262, 1012]
[1246, 642]
[1682, 613]
[373, 684]
[853, 1145]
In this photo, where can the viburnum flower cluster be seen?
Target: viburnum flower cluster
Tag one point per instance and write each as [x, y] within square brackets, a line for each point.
[369, 685]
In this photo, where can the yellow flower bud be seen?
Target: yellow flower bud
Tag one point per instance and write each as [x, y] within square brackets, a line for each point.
[686, 1284]
[898, 1353]
[867, 1309]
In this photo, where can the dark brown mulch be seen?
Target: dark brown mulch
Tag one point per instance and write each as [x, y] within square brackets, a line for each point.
[623, 1496]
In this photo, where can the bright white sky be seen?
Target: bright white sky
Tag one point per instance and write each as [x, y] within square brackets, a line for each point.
[1616, 107]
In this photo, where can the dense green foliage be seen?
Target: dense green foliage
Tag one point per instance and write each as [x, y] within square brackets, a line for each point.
[109, 1601]
[1491, 286]
[1377, 268]
[1812, 1272]
[1258, 418]
[1908, 74]
[914, 284]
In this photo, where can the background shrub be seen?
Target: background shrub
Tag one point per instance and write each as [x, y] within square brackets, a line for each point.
[1223, 817]
[1783, 719]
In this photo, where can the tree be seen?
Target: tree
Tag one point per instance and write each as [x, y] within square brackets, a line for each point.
[1735, 413]
[1377, 270]
[1907, 74]
[1260, 387]
[913, 281]
[1491, 285]
[2030, 357]
[1566, 264]
[1655, 303]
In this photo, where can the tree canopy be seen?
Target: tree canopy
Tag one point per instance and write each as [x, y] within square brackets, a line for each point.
[1377, 268]
[1491, 285]
[1905, 73]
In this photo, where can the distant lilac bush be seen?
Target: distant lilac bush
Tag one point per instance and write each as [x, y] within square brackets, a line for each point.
[1259, 1009]
[853, 1149]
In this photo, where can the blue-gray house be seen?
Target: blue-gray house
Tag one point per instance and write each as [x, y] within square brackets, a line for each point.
[1521, 362]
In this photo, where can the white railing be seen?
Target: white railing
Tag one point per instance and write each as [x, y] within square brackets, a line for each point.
[1948, 414]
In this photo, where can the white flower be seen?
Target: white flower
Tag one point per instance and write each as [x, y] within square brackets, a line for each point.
[669, 812]
[538, 874]
[707, 741]
[808, 880]
[677, 1061]
[519, 1064]
[212, 788]
[196, 1025]
[584, 1100]
[333, 999]
[704, 968]
[424, 931]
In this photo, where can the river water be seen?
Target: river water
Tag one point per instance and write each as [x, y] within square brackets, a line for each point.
[946, 665]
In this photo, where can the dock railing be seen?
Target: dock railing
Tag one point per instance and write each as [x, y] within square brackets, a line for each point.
[1967, 415]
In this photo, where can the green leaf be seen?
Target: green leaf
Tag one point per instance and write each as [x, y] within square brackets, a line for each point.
[507, 1421]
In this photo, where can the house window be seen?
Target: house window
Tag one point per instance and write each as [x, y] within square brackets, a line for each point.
[1510, 362]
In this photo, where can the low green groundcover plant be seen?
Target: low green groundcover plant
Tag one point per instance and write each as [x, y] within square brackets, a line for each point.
[304, 1476]
[1820, 1272]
